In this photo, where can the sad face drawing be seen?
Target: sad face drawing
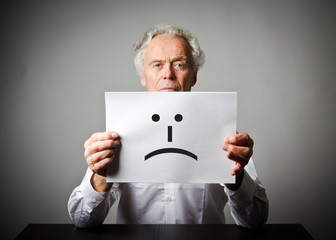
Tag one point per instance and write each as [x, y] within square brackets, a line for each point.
[178, 118]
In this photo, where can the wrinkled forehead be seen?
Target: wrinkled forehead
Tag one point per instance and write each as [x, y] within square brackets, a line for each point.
[168, 46]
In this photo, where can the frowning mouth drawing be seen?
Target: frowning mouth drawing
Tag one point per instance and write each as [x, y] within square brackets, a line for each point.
[178, 118]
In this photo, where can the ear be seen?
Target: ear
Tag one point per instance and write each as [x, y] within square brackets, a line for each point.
[194, 79]
[143, 80]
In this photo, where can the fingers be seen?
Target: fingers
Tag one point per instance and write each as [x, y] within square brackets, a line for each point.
[100, 150]
[98, 156]
[100, 146]
[238, 169]
[101, 136]
[241, 162]
[245, 152]
[240, 150]
[101, 141]
[242, 139]
[100, 166]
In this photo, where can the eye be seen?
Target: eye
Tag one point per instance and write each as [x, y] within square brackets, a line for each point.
[179, 65]
[178, 117]
[155, 117]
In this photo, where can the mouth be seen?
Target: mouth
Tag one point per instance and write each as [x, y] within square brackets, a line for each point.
[168, 89]
[170, 150]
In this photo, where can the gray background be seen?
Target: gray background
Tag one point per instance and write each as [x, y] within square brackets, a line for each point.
[58, 59]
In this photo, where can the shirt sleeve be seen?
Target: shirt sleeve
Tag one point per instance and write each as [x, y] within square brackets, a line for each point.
[88, 208]
[249, 203]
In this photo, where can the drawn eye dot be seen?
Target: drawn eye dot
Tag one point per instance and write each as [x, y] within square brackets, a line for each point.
[178, 117]
[155, 117]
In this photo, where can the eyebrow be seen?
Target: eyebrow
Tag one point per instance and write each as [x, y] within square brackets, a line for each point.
[173, 60]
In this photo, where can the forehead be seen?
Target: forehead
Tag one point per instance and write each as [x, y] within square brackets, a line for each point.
[167, 46]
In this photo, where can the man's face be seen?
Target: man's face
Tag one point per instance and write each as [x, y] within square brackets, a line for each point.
[168, 65]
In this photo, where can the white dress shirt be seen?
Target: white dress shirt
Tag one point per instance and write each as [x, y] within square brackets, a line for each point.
[171, 203]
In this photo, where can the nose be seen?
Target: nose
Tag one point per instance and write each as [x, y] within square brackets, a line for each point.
[169, 73]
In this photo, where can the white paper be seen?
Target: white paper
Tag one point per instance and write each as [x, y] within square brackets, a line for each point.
[186, 151]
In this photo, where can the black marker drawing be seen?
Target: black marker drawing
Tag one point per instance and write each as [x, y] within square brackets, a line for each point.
[170, 150]
[178, 118]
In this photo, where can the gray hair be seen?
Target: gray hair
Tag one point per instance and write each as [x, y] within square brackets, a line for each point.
[139, 48]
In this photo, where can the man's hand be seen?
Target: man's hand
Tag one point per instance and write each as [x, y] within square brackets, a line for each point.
[239, 148]
[101, 149]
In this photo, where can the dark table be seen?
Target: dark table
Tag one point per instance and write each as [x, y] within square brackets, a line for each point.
[185, 232]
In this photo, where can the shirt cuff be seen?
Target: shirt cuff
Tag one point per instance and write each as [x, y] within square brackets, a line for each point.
[244, 194]
[89, 190]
